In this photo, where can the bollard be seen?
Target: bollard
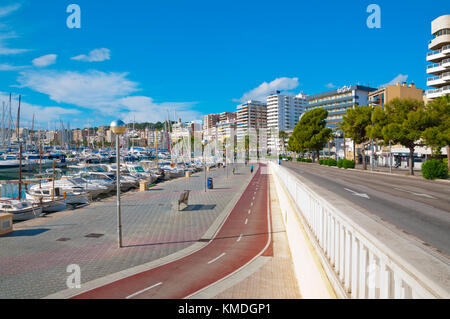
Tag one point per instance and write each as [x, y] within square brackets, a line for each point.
[143, 186]
[6, 224]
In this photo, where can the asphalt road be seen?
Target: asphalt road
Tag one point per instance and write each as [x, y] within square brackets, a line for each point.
[243, 236]
[418, 207]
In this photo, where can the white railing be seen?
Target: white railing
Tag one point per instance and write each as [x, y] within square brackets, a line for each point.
[446, 47]
[362, 266]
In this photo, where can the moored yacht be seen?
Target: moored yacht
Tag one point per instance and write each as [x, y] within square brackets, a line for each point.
[20, 209]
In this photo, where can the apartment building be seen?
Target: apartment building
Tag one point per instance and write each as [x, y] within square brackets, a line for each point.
[389, 92]
[209, 122]
[336, 102]
[439, 70]
[283, 114]
[252, 114]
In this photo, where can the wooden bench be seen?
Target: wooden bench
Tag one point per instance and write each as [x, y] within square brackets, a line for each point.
[184, 199]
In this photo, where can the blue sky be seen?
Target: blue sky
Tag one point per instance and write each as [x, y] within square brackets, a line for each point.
[140, 59]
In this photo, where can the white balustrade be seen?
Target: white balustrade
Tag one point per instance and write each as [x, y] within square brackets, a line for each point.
[363, 269]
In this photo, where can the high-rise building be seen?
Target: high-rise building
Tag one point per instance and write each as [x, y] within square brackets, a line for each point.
[283, 114]
[250, 115]
[209, 121]
[440, 56]
[336, 102]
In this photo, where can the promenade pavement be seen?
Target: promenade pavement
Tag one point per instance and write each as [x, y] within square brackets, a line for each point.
[34, 259]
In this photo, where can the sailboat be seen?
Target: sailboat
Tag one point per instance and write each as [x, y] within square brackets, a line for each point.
[22, 209]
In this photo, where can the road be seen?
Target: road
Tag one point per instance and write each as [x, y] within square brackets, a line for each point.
[418, 207]
[243, 236]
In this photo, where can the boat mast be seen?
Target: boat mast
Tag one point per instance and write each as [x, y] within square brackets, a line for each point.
[20, 149]
[3, 123]
[9, 122]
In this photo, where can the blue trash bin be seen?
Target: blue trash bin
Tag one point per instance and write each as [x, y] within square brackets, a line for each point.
[210, 183]
[251, 169]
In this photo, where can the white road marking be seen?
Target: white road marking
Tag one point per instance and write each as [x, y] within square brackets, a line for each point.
[143, 290]
[251, 204]
[357, 194]
[240, 237]
[253, 197]
[216, 259]
[417, 194]
[249, 211]
[246, 221]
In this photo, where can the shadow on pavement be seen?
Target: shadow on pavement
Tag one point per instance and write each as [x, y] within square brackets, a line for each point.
[27, 232]
[191, 208]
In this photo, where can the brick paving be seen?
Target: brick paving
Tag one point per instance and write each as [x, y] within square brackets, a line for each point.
[33, 261]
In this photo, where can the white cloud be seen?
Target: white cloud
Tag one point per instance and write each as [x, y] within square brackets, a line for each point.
[143, 108]
[92, 89]
[7, 10]
[106, 93]
[43, 113]
[261, 92]
[4, 49]
[330, 86]
[10, 67]
[97, 55]
[45, 60]
[399, 78]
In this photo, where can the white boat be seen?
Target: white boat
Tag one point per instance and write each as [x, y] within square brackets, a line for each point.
[172, 172]
[20, 209]
[76, 185]
[138, 172]
[56, 202]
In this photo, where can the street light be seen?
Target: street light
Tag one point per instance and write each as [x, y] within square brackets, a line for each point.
[204, 143]
[118, 128]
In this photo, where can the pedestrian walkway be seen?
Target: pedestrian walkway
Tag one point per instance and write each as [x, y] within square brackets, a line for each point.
[34, 259]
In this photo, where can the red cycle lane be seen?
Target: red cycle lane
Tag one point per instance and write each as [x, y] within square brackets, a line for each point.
[243, 236]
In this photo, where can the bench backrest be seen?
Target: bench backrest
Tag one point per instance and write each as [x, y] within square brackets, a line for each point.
[184, 196]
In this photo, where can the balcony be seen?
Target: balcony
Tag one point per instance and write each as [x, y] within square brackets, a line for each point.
[431, 94]
[439, 42]
[438, 68]
[439, 80]
[438, 55]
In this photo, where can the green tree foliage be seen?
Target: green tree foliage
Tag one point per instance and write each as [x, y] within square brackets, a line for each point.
[404, 122]
[438, 135]
[310, 133]
[355, 123]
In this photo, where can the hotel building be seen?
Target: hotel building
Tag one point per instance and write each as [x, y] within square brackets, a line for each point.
[440, 57]
[336, 102]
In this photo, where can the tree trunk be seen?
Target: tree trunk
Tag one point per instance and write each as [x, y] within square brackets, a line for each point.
[363, 151]
[411, 160]
[354, 152]
[318, 156]
[448, 157]
[345, 154]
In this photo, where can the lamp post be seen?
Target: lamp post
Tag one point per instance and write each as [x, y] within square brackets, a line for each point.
[118, 128]
[204, 143]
